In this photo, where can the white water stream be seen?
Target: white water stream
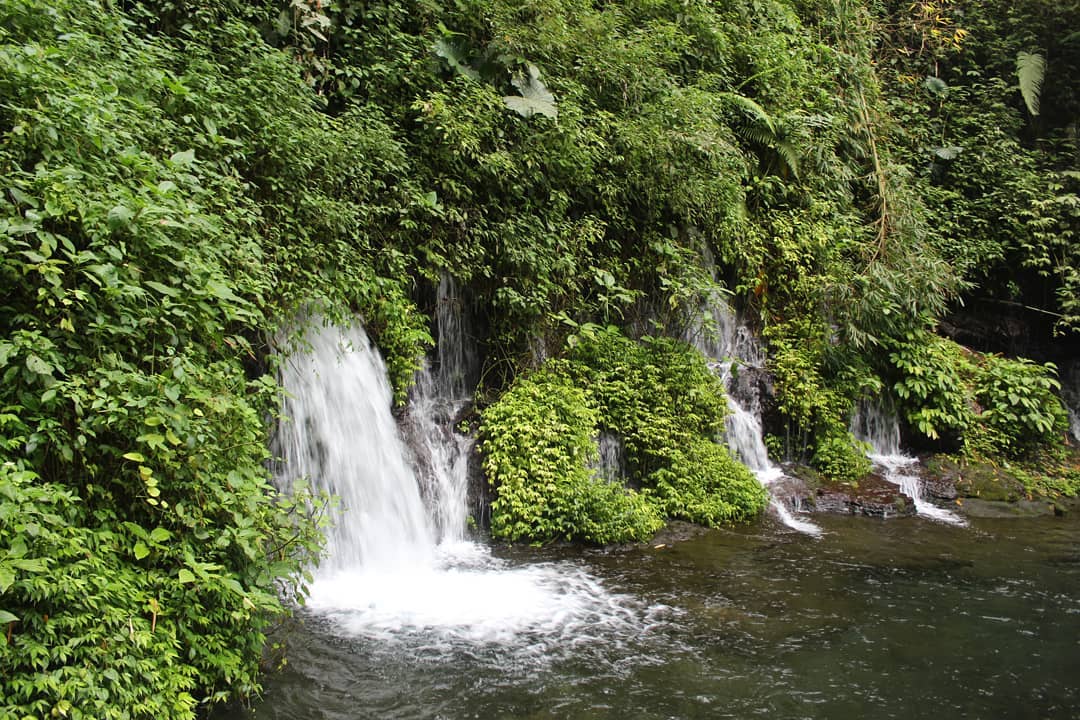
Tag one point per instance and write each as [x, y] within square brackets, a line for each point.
[873, 425]
[399, 567]
[731, 346]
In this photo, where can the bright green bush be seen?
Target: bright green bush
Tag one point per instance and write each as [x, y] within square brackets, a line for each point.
[660, 398]
[1019, 405]
[539, 442]
[989, 405]
[841, 458]
[932, 386]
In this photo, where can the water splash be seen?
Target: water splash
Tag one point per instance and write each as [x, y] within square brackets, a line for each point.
[400, 567]
[873, 424]
[733, 346]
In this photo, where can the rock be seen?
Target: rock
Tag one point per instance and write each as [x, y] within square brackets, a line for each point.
[972, 480]
[794, 491]
[934, 482]
[874, 496]
[976, 507]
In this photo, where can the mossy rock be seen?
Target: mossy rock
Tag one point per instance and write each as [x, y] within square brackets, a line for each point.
[973, 479]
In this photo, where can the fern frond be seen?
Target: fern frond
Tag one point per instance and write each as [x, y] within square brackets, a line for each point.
[750, 107]
[1030, 72]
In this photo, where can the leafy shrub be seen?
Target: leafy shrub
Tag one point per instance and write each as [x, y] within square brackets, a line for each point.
[1020, 405]
[841, 458]
[990, 405]
[932, 385]
[661, 398]
[704, 484]
[538, 445]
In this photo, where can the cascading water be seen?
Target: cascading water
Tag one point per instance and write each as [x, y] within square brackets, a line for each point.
[1070, 394]
[731, 345]
[874, 425]
[441, 395]
[342, 436]
[400, 572]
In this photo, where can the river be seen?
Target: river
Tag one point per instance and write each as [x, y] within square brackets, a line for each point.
[904, 618]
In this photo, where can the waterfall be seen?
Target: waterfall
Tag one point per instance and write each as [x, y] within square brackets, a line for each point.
[441, 395]
[874, 425]
[731, 346]
[341, 434]
[1070, 395]
[399, 568]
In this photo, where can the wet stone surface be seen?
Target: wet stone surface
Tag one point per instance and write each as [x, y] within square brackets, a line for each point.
[874, 497]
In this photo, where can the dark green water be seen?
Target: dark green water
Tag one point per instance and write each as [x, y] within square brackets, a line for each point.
[899, 619]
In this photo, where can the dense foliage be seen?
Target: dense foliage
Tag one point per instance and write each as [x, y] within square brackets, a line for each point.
[666, 408]
[987, 405]
[162, 198]
[178, 180]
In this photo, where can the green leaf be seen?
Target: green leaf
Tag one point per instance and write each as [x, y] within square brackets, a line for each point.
[120, 216]
[183, 159]
[6, 617]
[159, 535]
[454, 56]
[135, 457]
[185, 576]
[7, 578]
[161, 288]
[936, 86]
[37, 365]
[1030, 73]
[948, 153]
[535, 98]
[141, 550]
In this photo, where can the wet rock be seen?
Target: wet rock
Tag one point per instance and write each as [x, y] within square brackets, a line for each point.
[795, 492]
[934, 483]
[973, 480]
[874, 496]
[976, 507]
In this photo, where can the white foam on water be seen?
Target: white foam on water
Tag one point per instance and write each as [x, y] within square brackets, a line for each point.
[397, 568]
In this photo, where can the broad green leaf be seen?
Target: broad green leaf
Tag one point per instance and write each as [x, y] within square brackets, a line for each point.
[120, 216]
[183, 159]
[162, 288]
[141, 550]
[936, 85]
[535, 98]
[185, 576]
[37, 365]
[135, 457]
[7, 577]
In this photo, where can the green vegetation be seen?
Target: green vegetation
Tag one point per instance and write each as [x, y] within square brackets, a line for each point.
[987, 405]
[178, 180]
[660, 398]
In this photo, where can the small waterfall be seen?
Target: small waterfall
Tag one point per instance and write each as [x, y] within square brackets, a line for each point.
[1070, 394]
[400, 571]
[441, 395]
[611, 460]
[342, 435]
[732, 345]
[874, 425]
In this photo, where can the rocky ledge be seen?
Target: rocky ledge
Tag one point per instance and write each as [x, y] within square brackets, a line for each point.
[873, 496]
